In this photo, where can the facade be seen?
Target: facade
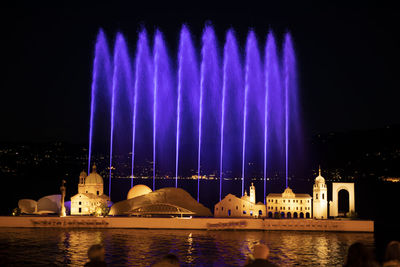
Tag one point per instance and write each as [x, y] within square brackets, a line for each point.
[289, 205]
[90, 195]
[246, 206]
[320, 194]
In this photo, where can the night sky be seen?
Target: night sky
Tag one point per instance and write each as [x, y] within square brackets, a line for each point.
[348, 58]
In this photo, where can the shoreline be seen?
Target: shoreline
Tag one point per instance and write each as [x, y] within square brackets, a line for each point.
[212, 224]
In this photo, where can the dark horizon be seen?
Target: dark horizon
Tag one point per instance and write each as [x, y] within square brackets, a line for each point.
[347, 61]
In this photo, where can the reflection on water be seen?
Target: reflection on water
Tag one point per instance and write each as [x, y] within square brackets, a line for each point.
[130, 247]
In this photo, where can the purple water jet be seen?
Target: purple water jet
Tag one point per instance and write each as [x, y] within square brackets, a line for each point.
[210, 93]
[120, 105]
[101, 83]
[188, 103]
[272, 104]
[142, 141]
[232, 109]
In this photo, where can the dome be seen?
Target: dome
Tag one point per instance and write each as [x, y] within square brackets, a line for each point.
[138, 190]
[93, 178]
[319, 178]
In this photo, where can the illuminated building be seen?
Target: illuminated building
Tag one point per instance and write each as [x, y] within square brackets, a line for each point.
[232, 206]
[289, 205]
[90, 195]
[320, 193]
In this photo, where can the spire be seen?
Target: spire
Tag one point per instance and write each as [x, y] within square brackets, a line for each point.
[319, 170]
[94, 168]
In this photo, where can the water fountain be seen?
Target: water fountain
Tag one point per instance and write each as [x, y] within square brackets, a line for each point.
[219, 112]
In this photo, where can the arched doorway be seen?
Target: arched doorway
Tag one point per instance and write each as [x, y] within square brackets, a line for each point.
[343, 199]
[301, 215]
[308, 215]
[276, 215]
[288, 215]
[282, 215]
[260, 213]
[343, 205]
[295, 215]
[269, 214]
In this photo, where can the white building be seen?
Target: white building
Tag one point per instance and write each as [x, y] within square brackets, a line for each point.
[320, 193]
[289, 205]
[232, 206]
[90, 194]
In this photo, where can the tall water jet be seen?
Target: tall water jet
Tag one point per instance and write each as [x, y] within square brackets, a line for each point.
[101, 83]
[273, 94]
[142, 141]
[295, 150]
[290, 81]
[164, 110]
[121, 102]
[210, 104]
[232, 110]
[187, 102]
[254, 111]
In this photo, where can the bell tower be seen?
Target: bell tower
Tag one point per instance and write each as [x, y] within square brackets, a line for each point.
[81, 185]
[320, 197]
[252, 193]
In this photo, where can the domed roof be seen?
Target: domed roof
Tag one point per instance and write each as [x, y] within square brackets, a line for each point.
[94, 177]
[319, 178]
[138, 190]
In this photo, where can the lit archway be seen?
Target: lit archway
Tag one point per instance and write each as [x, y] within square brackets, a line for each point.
[334, 204]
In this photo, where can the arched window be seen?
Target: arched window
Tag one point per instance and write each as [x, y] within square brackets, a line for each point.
[323, 195]
[316, 196]
[260, 212]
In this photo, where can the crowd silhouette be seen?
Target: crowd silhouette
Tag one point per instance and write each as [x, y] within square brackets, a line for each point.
[358, 255]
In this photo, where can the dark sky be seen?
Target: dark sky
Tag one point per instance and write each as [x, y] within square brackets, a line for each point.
[347, 56]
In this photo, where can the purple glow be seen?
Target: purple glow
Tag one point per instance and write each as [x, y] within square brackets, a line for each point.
[120, 103]
[101, 70]
[272, 92]
[210, 94]
[142, 143]
[290, 93]
[232, 109]
[188, 104]
[228, 119]
[254, 111]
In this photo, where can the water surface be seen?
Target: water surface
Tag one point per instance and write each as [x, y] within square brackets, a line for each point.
[132, 247]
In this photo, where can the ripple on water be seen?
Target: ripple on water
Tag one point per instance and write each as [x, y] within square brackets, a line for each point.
[132, 247]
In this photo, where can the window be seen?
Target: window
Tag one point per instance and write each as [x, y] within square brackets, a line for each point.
[222, 208]
[289, 208]
[216, 208]
[251, 213]
[229, 212]
[259, 212]
[244, 212]
[80, 203]
[97, 192]
[316, 196]
[283, 201]
[301, 208]
[80, 210]
[229, 199]
[237, 207]
[289, 200]
[301, 201]
[323, 196]
[276, 201]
